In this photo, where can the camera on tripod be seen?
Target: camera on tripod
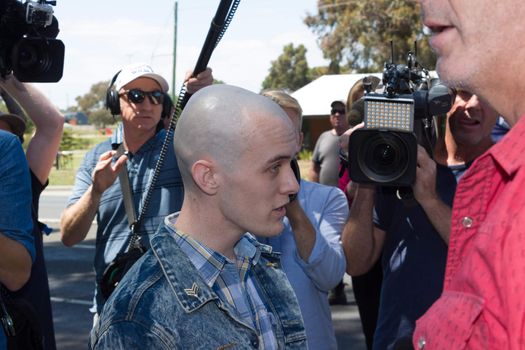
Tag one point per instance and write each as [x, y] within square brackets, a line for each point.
[28, 47]
[384, 152]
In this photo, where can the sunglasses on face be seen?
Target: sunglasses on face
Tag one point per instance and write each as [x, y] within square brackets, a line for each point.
[137, 96]
[337, 110]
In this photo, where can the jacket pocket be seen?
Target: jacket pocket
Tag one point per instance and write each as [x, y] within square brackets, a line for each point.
[452, 323]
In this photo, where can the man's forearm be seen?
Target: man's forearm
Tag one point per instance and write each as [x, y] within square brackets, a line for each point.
[358, 235]
[48, 120]
[303, 230]
[76, 219]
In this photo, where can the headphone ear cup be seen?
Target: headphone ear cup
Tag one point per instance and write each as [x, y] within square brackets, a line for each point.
[112, 97]
[167, 105]
[113, 101]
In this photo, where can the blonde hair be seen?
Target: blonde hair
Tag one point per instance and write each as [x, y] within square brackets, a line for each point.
[284, 100]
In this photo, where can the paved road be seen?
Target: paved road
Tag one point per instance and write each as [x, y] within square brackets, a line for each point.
[71, 280]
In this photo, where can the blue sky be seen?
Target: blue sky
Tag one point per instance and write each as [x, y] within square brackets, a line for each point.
[102, 35]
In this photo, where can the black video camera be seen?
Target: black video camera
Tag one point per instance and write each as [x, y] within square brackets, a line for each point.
[384, 152]
[28, 47]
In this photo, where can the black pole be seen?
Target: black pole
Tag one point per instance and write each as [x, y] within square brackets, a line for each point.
[216, 27]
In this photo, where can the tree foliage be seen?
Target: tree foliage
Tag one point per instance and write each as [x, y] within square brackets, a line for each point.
[355, 35]
[289, 71]
[93, 104]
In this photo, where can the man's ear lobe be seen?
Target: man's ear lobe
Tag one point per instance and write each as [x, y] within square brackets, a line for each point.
[203, 173]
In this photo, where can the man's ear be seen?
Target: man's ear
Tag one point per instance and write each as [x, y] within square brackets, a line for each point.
[204, 176]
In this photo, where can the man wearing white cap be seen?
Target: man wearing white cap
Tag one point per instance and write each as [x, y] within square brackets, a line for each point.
[136, 93]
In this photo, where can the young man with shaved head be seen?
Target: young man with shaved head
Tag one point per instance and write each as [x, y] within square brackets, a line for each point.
[205, 282]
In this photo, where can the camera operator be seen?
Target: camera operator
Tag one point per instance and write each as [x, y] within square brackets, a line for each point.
[97, 192]
[16, 243]
[413, 238]
[41, 153]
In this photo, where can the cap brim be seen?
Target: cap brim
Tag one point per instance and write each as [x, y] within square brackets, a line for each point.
[158, 78]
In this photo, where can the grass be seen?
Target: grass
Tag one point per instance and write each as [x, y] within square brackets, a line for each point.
[65, 174]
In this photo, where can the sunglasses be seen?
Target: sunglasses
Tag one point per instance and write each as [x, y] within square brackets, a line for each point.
[337, 110]
[137, 96]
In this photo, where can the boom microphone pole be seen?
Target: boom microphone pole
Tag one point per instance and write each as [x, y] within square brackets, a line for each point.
[218, 26]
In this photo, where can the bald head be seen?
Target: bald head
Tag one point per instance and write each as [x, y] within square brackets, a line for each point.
[219, 122]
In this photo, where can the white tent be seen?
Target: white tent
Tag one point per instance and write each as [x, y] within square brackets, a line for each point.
[315, 98]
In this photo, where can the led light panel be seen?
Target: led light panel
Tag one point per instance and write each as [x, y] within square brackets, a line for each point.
[389, 113]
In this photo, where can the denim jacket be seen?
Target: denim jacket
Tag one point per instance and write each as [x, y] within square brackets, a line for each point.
[163, 303]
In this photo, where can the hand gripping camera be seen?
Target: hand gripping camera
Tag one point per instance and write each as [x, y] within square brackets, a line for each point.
[384, 152]
[28, 47]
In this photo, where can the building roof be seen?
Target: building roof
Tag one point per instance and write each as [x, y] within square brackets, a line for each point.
[315, 97]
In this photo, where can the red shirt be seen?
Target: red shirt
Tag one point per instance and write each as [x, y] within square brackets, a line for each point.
[483, 300]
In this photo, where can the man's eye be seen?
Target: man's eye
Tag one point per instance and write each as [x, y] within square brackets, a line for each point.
[275, 168]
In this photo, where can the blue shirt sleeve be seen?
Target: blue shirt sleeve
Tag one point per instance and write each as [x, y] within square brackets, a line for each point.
[15, 193]
[327, 209]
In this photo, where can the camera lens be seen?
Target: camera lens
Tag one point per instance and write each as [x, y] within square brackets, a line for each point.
[34, 58]
[38, 60]
[384, 157]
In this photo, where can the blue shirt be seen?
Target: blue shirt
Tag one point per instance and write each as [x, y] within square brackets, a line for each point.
[232, 281]
[327, 209]
[15, 197]
[414, 258]
[113, 231]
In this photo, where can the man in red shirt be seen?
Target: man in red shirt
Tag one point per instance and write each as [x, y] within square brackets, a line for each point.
[483, 304]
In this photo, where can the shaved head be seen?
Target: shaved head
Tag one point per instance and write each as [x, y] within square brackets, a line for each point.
[218, 123]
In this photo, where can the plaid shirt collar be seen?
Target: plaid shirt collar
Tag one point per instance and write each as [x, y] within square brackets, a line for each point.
[208, 262]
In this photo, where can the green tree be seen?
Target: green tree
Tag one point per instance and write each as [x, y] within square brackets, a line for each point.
[93, 104]
[355, 35]
[289, 71]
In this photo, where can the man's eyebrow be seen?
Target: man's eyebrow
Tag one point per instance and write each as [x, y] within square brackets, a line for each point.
[278, 158]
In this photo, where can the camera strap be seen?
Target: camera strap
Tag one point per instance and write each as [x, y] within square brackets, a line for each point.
[125, 187]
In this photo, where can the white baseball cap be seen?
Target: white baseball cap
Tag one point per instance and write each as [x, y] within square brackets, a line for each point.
[137, 70]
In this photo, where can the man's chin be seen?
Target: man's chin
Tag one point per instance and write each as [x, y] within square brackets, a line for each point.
[270, 231]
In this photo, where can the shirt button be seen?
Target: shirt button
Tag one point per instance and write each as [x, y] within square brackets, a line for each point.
[421, 343]
[467, 222]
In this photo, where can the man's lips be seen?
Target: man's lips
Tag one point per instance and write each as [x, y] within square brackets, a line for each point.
[280, 210]
[438, 32]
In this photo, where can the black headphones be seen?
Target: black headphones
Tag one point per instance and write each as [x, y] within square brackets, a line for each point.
[112, 97]
[113, 100]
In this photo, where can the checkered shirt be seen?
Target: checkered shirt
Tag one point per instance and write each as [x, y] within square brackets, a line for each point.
[232, 281]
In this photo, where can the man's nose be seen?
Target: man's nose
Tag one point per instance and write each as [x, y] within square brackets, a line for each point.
[291, 185]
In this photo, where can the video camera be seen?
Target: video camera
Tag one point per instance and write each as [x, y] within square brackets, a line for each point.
[28, 47]
[384, 152]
